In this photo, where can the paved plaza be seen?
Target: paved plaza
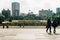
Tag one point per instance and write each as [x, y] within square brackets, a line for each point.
[28, 34]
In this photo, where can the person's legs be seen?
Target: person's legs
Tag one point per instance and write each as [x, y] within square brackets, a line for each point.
[46, 29]
[54, 30]
[3, 26]
[7, 26]
[50, 29]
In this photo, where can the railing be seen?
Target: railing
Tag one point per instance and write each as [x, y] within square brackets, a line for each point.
[7, 24]
[22, 23]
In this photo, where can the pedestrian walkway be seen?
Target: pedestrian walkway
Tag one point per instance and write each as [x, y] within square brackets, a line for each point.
[28, 34]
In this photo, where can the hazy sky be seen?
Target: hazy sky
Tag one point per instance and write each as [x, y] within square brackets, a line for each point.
[33, 5]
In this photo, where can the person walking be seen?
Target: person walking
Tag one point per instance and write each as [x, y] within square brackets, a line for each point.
[54, 25]
[48, 26]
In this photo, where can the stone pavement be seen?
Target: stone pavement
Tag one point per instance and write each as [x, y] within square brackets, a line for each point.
[28, 34]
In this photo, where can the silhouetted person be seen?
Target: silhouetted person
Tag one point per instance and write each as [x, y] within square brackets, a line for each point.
[3, 26]
[7, 26]
[48, 26]
[54, 24]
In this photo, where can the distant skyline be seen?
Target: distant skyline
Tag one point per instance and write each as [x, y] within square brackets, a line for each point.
[33, 5]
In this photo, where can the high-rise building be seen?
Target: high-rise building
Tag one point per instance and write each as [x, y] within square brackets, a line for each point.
[45, 13]
[57, 10]
[15, 9]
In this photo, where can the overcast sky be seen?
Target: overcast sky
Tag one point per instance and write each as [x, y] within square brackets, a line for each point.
[33, 5]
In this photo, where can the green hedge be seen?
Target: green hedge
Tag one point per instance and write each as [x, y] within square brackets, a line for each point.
[43, 23]
[27, 23]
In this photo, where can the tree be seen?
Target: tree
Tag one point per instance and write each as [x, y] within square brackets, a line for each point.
[1, 18]
[30, 16]
[56, 17]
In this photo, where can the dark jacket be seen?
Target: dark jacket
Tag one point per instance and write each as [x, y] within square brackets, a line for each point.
[48, 23]
[55, 23]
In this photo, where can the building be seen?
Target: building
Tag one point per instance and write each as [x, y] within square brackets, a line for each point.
[57, 10]
[15, 9]
[45, 13]
[6, 13]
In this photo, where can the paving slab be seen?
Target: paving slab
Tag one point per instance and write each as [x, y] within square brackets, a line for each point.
[28, 34]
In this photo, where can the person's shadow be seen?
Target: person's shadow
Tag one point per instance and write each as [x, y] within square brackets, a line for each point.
[54, 33]
[57, 33]
[49, 33]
